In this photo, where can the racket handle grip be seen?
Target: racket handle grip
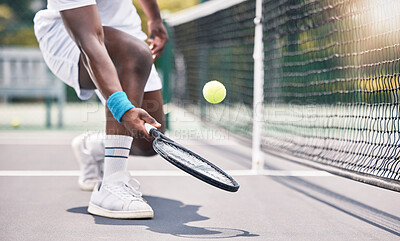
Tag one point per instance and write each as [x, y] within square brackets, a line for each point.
[148, 127]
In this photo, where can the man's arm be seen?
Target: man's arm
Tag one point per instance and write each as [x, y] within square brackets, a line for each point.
[158, 34]
[85, 28]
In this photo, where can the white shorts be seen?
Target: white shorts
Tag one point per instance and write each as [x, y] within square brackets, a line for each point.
[62, 55]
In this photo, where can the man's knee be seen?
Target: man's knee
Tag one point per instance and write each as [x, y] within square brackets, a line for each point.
[128, 53]
[138, 57]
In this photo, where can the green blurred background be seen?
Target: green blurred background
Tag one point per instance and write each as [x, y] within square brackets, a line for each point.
[16, 25]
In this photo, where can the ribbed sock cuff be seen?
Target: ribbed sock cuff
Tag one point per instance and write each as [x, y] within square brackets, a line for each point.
[117, 148]
[118, 141]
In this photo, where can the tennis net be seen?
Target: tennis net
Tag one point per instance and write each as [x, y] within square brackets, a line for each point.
[216, 42]
[331, 80]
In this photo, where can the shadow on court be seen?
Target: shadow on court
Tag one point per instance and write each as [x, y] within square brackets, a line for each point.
[368, 214]
[171, 217]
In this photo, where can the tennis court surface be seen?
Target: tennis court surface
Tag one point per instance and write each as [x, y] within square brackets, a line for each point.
[312, 80]
[41, 199]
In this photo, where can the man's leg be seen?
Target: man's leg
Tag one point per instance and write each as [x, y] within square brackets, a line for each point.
[130, 56]
[88, 148]
[133, 61]
[153, 104]
[90, 145]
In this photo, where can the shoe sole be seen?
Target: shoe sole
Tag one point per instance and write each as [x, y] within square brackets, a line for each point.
[99, 211]
[76, 150]
[86, 187]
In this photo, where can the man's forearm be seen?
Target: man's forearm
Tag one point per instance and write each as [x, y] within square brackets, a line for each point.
[84, 26]
[158, 36]
[150, 8]
[101, 68]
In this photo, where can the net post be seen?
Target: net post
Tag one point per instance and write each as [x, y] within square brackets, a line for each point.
[258, 91]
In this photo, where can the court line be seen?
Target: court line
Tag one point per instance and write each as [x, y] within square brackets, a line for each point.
[163, 173]
[35, 142]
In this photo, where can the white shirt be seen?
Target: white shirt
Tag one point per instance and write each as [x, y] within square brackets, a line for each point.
[120, 14]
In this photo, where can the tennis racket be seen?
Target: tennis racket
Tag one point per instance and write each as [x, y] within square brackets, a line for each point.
[190, 162]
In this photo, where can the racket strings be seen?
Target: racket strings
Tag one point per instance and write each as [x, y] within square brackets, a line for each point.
[192, 162]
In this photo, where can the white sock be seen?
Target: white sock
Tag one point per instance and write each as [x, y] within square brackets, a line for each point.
[94, 144]
[117, 149]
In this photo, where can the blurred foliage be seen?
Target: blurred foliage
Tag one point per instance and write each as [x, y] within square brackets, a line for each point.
[5, 12]
[23, 8]
[16, 22]
[166, 7]
[21, 37]
[16, 26]
[175, 5]
[5, 16]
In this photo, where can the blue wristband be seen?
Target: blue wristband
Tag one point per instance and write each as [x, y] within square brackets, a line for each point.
[118, 103]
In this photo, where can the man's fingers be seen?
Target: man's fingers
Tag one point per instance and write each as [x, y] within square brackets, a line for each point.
[152, 121]
[157, 50]
[157, 47]
[150, 41]
[149, 119]
[134, 120]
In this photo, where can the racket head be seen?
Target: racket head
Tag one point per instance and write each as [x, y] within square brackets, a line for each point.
[192, 163]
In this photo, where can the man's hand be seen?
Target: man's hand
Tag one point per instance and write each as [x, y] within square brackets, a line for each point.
[134, 120]
[158, 37]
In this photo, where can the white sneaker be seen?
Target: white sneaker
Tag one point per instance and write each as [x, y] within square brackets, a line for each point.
[91, 162]
[118, 196]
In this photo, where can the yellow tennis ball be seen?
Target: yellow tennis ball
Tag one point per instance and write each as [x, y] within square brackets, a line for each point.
[15, 122]
[214, 91]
